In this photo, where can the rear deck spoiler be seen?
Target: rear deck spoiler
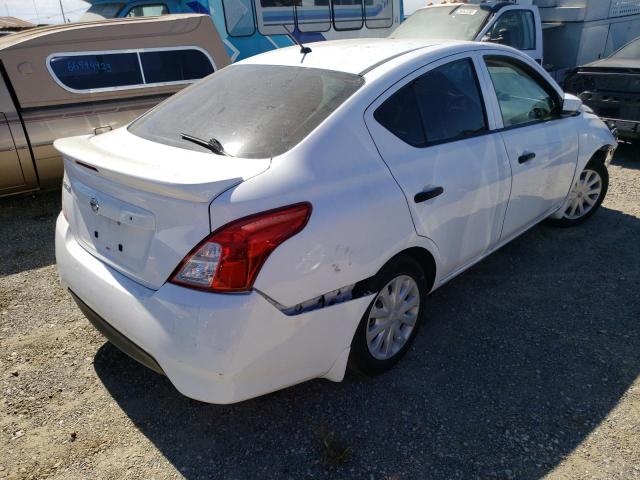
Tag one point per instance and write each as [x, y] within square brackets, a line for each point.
[155, 167]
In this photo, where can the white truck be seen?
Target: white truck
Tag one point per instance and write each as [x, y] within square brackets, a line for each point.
[560, 34]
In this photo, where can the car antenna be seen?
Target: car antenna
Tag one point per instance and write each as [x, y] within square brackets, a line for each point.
[304, 50]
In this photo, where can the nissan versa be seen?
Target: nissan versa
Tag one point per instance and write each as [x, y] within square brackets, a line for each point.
[289, 214]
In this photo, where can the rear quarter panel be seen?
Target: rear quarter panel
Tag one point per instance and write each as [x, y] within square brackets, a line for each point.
[360, 217]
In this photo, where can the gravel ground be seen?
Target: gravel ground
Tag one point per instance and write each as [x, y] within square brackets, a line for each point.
[528, 367]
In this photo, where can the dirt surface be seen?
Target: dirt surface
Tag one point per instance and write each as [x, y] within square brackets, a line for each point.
[529, 366]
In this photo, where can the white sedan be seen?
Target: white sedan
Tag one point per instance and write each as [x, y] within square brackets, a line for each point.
[289, 214]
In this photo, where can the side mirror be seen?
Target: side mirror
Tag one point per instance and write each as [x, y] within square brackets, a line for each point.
[571, 104]
[503, 37]
[490, 38]
[506, 37]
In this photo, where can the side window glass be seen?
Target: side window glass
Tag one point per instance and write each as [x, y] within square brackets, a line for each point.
[238, 17]
[275, 15]
[348, 14]
[523, 97]
[153, 10]
[94, 71]
[516, 29]
[313, 15]
[450, 102]
[378, 13]
[400, 115]
[174, 65]
[88, 72]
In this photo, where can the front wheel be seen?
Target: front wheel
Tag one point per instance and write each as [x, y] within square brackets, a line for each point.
[586, 196]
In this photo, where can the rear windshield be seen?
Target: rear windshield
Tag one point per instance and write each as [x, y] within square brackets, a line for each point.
[254, 111]
[461, 22]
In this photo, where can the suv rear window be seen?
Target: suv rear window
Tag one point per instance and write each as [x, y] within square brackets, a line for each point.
[95, 71]
[174, 65]
[254, 111]
[87, 72]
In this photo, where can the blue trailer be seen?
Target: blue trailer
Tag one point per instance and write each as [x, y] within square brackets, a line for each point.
[249, 27]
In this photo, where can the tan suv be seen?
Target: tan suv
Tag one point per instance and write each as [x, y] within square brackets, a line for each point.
[89, 78]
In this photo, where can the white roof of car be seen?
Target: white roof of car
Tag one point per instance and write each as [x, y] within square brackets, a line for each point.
[351, 56]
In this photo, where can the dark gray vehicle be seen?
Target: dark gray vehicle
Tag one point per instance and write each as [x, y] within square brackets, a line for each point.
[611, 87]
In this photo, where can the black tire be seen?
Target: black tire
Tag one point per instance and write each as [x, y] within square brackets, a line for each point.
[361, 359]
[597, 165]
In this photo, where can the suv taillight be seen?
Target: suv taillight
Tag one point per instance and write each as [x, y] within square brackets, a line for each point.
[230, 259]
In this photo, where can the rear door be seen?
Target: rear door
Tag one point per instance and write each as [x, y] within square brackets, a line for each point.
[542, 144]
[433, 132]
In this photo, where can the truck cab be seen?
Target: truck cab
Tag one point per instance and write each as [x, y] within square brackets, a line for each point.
[566, 33]
[517, 25]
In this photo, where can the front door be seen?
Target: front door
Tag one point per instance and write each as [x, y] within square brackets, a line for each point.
[541, 144]
[432, 131]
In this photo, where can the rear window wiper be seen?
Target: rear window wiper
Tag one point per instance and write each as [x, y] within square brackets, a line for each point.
[212, 144]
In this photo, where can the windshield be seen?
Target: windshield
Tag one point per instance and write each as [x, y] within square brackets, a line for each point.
[462, 22]
[101, 11]
[630, 51]
[253, 111]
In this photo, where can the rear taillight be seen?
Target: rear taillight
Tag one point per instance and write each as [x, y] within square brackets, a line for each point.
[230, 259]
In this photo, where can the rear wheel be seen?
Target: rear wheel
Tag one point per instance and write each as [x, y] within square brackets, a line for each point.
[391, 322]
[586, 196]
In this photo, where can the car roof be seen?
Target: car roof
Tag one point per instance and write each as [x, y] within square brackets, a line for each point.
[358, 56]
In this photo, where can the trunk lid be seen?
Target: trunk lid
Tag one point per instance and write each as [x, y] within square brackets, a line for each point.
[141, 206]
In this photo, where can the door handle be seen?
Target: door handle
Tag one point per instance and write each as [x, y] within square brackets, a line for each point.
[525, 157]
[427, 194]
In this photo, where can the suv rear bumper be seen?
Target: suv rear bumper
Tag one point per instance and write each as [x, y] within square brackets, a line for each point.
[213, 347]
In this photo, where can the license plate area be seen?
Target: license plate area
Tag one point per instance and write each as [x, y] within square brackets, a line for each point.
[116, 230]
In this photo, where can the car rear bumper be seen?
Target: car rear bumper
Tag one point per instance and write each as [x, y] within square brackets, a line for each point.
[213, 347]
[116, 338]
